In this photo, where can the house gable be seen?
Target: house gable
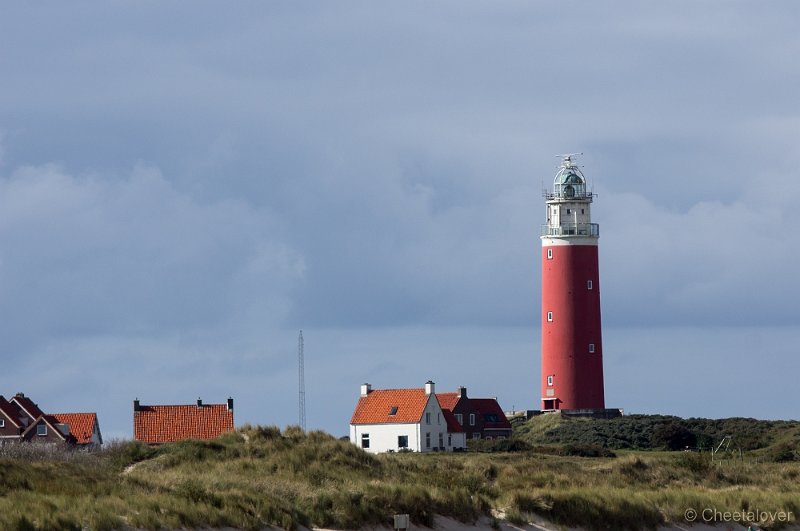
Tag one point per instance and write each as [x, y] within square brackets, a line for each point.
[46, 429]
[27, 406]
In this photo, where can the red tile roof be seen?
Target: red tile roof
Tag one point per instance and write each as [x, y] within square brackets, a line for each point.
[81, 425]
[375, 408]
[27, 406]
[448, 400]
[11, 411]
[488, 407]
[161, 424]
[452, 424]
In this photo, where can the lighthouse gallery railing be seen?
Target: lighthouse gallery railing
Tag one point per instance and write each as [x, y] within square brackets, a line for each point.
[572, 229]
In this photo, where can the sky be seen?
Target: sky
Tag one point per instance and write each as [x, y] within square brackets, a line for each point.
[185, 186]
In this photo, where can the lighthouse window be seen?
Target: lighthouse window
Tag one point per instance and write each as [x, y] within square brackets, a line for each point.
[591, 348]
[550, 317]
[588, 284]
[550, 380]
[549, 254]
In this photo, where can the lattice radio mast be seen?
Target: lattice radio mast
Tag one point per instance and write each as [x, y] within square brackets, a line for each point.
[302, 378]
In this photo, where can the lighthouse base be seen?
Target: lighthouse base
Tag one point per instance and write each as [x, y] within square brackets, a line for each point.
[605, 413]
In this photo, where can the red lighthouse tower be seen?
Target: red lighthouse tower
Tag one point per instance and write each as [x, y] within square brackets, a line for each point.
[572, 349]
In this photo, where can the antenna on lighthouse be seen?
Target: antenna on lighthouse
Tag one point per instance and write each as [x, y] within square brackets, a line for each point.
[302, 380]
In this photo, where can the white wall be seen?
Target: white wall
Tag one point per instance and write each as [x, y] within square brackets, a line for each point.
[383, 437]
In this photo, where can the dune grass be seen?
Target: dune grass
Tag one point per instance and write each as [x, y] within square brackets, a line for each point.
[261, 476]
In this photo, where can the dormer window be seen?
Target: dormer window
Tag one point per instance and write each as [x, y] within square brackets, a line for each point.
[393, 411]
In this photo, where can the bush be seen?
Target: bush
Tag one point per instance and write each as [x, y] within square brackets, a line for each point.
[673, 436]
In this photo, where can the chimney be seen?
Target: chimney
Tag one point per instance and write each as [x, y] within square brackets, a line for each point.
[21, 395]
[230, 404]
[199, 403]
[462, 392]
[366, 389]
[136, 405]
[430, 388]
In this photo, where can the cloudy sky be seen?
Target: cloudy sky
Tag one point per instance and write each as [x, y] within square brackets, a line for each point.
[184, 186]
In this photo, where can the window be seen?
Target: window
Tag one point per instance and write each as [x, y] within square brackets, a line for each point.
[569, 211]
[591, 348]
[549, 317]
[549, 254]
[588, 284]
[2, 423]
[476, 435]
[427, 418]
[438, 418]
[427, 439]
[449, 439]
[393, 411]
[472, 419]
[582, 211]
[488, 437]
[402, 441]
[491, 417]
[441, 440]
[41, 430]
[550, 380]
[460, 418]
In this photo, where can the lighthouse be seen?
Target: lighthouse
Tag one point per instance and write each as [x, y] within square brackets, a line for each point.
[572, 348]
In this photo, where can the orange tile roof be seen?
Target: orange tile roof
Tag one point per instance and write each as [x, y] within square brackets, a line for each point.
[376, 406]
[81, 425]
[161, 424]
[448, 400]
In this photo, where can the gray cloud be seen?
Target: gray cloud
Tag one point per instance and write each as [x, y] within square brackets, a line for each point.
[187, 187]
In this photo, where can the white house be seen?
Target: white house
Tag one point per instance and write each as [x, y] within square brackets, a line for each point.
[391, 420]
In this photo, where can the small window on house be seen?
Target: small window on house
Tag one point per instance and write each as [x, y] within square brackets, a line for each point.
[427, 439]
[41, 430]
[449, 439]
[488, 437]
[582, 211]
[472, 419]
[438, 418]
[549, 317]
[441, 440]
[2, 423]
[550, 380]
[491, 417]
[460, 418]
[402, 441]
[393, 411]
[591, 348]
[427, 418]
[588, 284]
[549, 254]
[476, 435]
[569, 211]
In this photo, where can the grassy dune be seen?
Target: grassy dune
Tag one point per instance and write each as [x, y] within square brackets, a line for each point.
[259, 476]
